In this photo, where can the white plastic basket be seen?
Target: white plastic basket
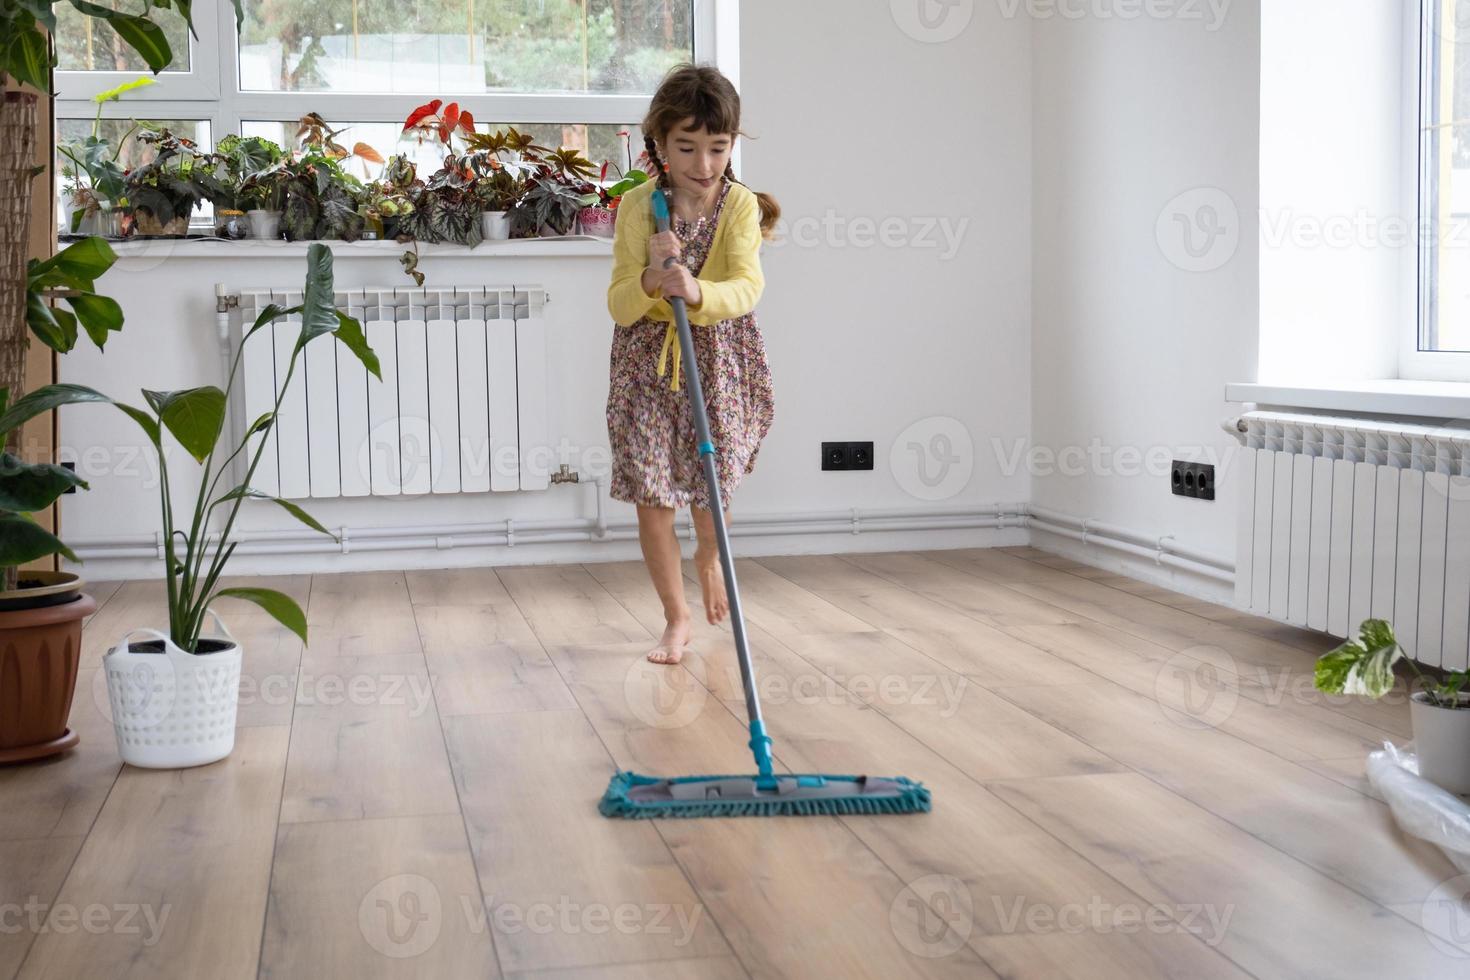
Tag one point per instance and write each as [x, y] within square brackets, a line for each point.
[172, 709]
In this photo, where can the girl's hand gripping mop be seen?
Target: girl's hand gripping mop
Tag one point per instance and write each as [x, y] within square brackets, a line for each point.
[766, 793]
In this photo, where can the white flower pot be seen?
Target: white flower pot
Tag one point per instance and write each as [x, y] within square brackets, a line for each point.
[264, 224]
[172, 709]
[496, 225]
[1442, 741]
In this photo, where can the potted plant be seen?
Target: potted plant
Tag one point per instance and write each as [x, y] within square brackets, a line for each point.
[382, 210]
[549, 208]
[446, 208]
[249, 187]
[174, 695]
[502, 161]
[497, 191]
[1439, 711]
[41, 611]
[321, 196]
[165, 191]
[95, 191]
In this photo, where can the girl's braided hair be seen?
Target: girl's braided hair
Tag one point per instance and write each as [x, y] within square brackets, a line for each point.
[699, 92]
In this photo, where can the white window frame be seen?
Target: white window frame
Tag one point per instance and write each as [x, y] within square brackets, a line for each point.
[210, 89]
[1414, 363]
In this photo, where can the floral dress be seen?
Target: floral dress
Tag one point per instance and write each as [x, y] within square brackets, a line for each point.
[650, 426]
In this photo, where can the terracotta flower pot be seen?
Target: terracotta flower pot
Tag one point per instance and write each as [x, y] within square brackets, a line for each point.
[40, 651]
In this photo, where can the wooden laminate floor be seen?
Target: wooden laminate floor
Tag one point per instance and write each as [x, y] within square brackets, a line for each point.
[1127, 783]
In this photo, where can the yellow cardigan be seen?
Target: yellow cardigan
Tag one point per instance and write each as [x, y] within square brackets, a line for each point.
[730, 282]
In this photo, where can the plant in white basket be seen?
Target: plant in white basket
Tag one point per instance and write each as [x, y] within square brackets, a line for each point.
[174, 696]
[1440, 710]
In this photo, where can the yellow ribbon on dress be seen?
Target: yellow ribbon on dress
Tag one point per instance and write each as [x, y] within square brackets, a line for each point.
[671, 339]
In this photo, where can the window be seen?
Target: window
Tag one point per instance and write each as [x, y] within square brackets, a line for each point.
[572, 72]
[1443, 334]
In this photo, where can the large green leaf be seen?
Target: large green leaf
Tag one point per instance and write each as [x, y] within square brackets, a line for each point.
[83, 261]
[318, 303]
[139, 33]
[349, 331]
[26, 56]
[281, 606]
[23, 540]
[99, 315]
[1364, 668]
[195, 416]
[291, 508]
[57, 333]
[54, 396]
[33, 486]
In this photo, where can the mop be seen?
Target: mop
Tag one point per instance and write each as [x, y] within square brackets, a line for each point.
[766, 793]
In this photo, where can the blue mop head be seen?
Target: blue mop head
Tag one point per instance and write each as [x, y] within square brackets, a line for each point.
[638, 797]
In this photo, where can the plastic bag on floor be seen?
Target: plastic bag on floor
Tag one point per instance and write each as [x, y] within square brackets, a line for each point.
[1420, 807]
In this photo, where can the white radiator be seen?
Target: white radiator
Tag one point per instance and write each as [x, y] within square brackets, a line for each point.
[1345, 519]
[462, 402]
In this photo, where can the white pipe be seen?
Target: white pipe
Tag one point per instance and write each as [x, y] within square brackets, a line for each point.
[1161, 543]
[512, 532]
[1158, 557]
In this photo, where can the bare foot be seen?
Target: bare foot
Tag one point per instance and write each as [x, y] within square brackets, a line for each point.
[670, 649]
[712, 584]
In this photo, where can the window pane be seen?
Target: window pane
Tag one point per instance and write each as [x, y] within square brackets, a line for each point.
[453, 48]
[86, 44]
[597, 143]
[133, 153]
[1445, 282]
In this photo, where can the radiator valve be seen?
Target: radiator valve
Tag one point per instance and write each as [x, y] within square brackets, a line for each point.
[565, 474]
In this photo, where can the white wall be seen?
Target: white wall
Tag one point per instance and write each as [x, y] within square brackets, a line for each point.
[858, 121]
[1131, 348]
[909, 344]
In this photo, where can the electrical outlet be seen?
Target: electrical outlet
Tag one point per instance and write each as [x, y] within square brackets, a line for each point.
[847, 455]
[1193, 480]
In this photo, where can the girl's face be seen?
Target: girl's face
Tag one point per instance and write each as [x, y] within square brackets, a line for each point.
[696, 158]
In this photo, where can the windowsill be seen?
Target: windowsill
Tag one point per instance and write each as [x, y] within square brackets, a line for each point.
[214, 248]
[1424, 399]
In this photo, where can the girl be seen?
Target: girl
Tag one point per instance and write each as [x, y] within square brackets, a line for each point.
[717, 227]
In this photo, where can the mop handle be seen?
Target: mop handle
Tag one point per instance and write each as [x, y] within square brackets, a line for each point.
[760, 743]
